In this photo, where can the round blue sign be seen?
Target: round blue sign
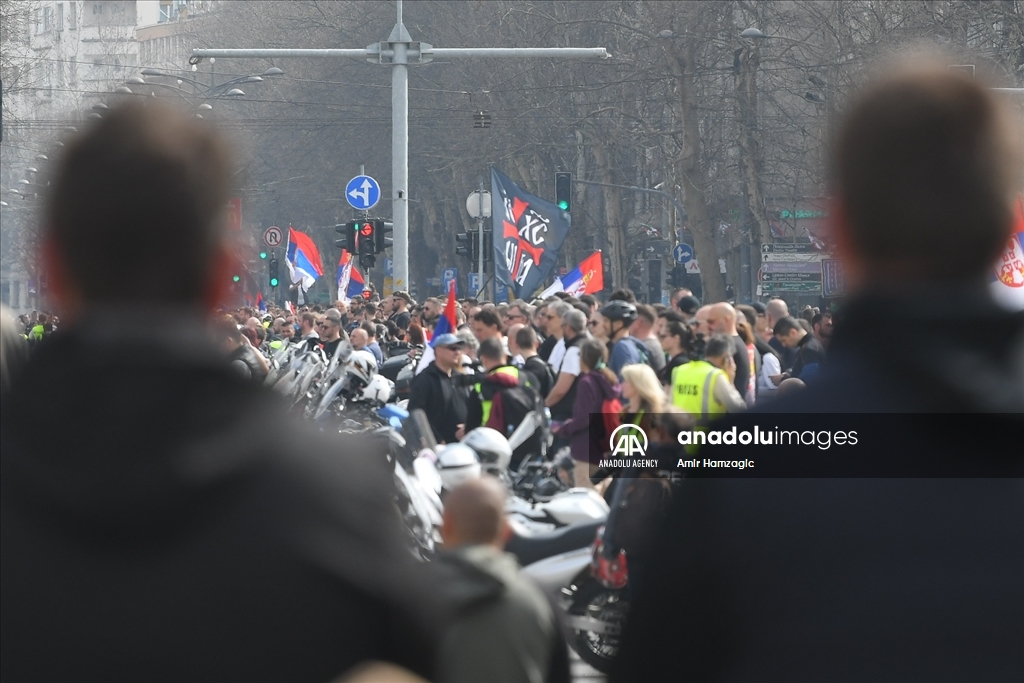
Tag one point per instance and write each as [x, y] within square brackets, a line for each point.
[683, 253]
[362, 193]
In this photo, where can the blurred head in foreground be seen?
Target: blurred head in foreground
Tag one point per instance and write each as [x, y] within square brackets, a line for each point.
[925, 170]
[141, 179]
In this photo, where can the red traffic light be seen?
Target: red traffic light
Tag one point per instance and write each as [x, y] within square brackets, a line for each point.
[366, 229]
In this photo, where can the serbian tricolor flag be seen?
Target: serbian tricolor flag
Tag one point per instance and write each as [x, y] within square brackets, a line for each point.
[303, 259]
[350, 281]
[1007, 277]
[248, 300]
[586, 278]
[260, 303]
[446, 323]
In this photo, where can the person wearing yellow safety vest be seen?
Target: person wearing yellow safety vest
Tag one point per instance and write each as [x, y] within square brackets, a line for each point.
[481, 410]
[703, 388]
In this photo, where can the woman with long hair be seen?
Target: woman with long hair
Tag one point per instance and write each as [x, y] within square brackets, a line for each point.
[677, 340]
[596, 384]
[746, 333]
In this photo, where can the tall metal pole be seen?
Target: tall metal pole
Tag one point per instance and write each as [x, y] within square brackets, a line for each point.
[480, 235]
[400, 150]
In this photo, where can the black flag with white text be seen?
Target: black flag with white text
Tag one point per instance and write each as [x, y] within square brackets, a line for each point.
[528, 234]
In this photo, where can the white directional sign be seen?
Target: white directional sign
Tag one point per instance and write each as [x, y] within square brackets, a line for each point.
[273, 236]
[362, 193]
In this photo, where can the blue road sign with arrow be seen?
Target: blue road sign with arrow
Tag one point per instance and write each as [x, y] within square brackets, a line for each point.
[683, 253]
[362, 193]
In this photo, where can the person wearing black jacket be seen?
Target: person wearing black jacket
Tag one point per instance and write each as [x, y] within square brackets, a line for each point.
[174, 524]
[875, 579]
[436, 393]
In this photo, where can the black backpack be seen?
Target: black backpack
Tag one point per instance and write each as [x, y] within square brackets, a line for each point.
[516, 403]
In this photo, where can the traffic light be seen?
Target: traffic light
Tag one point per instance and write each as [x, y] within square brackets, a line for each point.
[465, 245]
[488, 247]
[676, 277]
[563, 190]
[382, 234]
[274, 273]
[347, 241]
[236, 278]
[263, 254]
[654, 280]
[366, 245]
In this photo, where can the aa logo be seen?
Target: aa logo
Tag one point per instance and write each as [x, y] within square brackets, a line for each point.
[629, 441]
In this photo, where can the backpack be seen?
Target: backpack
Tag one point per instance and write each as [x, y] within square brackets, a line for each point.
[643, 352]
[516, 403]
[611, 413]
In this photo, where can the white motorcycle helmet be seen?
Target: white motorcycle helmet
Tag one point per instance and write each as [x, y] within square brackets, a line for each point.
[361, 366]
[378, 391]
[457, 463]
[491, 447]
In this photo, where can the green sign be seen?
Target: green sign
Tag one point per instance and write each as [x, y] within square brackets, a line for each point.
[807, 287]
[786, 213]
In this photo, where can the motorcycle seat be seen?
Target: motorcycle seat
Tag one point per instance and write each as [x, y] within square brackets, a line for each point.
[530, 549]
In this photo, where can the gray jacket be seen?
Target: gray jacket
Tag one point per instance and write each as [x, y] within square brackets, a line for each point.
[504, 629]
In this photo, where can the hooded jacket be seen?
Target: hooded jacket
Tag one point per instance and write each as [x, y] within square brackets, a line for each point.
[593, 389]
[504, 629]
[859, 579]
[163, 520]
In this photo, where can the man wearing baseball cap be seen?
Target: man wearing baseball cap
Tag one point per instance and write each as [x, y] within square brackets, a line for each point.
[435, 393]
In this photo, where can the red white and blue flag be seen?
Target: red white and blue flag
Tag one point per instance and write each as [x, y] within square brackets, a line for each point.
[586, 278]
[350, 281]
[1007, 277]
[303, 259]
[260, 303]
[447, 322]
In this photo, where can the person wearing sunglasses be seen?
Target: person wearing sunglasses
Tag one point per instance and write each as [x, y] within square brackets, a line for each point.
[435, 392]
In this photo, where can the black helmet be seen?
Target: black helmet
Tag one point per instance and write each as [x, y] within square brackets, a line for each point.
[619, 310]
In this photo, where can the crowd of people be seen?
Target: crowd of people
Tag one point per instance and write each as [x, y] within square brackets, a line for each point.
[164, 519]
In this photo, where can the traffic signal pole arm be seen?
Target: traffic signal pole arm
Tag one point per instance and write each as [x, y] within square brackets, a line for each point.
[634, 188]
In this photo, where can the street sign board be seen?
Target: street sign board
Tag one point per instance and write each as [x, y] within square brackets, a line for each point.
[790, 277]
[788, 248]
[833, 280]
[805, 287]
[389, 267]
[500, 292]
[783, 258]
[474, 283]
[792, 267]
[682, 253]
[273, 236]
[362, 193]
[447, 276]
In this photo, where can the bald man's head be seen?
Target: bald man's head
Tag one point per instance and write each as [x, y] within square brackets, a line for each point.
[722, 319]
[474, 514]
[700, 321]
[774, 311]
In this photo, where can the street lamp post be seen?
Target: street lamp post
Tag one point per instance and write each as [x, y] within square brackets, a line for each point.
[200, 90]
